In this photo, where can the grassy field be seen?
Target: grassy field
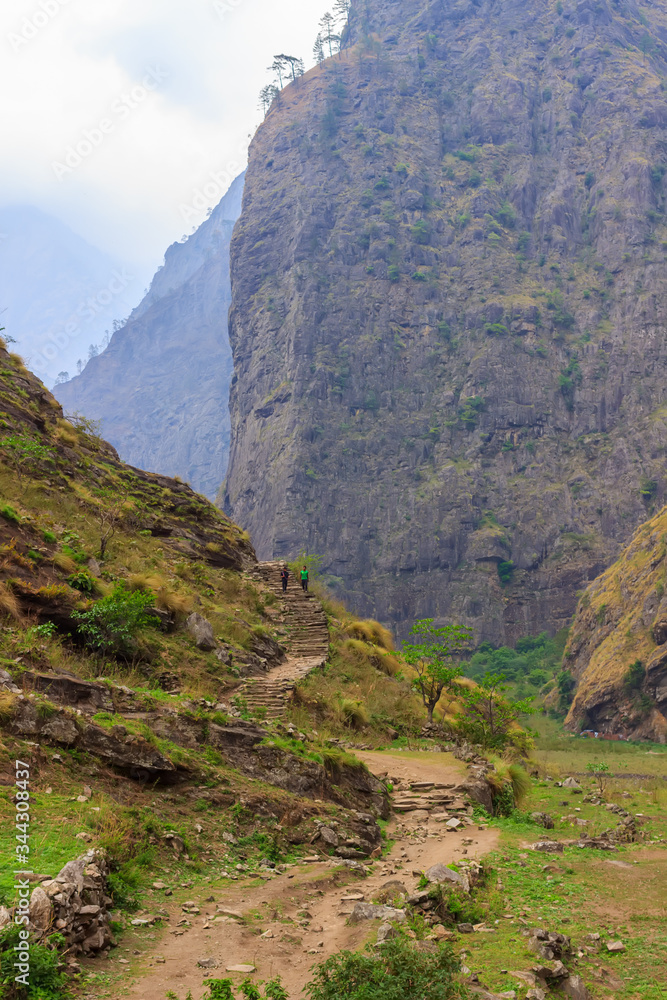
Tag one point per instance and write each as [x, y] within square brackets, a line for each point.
[620, 895]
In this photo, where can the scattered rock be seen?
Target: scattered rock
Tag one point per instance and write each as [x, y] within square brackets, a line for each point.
[465, 928]
[440, 873]
[543, 819]
[209, 963]
[549, 846]
[573, 987]
[615, 947]
[571, 783]
[385, 932]
[374, 911]
[201, 631]
[246, 969]
[329, 836]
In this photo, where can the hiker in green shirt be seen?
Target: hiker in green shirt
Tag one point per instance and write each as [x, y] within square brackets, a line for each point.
[304, 579]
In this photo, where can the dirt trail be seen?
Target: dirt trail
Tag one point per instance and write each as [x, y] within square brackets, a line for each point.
[293, 948]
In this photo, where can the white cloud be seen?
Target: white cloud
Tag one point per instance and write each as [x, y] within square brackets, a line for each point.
[70, 66]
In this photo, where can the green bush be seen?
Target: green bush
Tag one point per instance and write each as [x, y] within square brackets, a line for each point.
[9, 514]
[111, 625]
[224, 989]
[505, 571]
[396, 970]
[82, 581]
[46, 981]
[393, 272]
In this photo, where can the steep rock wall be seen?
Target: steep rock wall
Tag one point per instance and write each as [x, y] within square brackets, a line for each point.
[160, 389]
[617, 652]
[448, 314]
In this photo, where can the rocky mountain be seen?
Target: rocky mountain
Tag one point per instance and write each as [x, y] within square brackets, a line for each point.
[448, 319]
[616, 654]
[58, 294]
[160, 388]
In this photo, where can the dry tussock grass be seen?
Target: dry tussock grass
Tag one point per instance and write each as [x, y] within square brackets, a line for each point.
[9, 606]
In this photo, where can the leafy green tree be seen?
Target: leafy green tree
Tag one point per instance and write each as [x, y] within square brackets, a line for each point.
[435, 657]
[600, 774]
[489, 715]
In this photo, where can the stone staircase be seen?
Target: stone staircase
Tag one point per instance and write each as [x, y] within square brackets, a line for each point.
[307, 643]
[429, 796]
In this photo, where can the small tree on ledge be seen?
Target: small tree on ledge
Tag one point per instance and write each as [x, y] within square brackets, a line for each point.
[435, 655]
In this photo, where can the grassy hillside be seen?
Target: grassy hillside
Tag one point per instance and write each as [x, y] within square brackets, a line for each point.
[103, 682]
[616, 653]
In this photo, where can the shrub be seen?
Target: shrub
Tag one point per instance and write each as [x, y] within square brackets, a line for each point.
[634, 677]
[393, 971]
[354, 713]
[112, 624]
[224, 989]
[393, 272]
[8, 602]
[47, 981]
[9, 514]
[505, 571]
[82, 581]
[496, 330]
[371, 631]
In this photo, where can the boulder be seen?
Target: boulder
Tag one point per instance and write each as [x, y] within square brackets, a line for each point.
[329, 836]
[615, 947]
[385, 932]
[574, 988]
[479, 790]
[201, 631]
[543, 819]
[374, 911]
[571, 783]
[41, 910]
[549, 846]
[441, 873]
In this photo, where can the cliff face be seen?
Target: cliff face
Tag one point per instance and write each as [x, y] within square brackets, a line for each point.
[160, 389]
[617, 651]
[448, 313]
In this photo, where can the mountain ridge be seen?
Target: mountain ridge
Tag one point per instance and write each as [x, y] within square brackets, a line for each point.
[160, 388]
[447, 328]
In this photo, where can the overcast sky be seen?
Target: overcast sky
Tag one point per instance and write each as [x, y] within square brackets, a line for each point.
[116, 113]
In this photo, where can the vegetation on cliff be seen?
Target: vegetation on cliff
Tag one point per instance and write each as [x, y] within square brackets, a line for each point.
[447, 313]
[616, 654]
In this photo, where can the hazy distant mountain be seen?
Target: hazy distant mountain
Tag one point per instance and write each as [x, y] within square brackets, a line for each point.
[161, 388]
[58, 294]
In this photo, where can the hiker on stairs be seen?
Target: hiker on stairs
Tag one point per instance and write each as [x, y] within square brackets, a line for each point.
[304, 580]
[284, 577]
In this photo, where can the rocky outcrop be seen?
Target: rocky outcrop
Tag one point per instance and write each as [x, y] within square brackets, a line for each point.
[74, 904]
[617, 652]
[160, 388]
[448, 318]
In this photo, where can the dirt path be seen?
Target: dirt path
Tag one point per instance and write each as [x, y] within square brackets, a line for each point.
[313, 896]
